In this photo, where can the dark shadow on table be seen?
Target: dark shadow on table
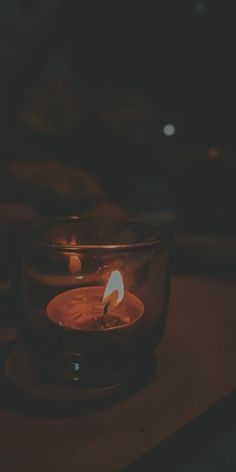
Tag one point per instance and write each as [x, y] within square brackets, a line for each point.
[186, 445]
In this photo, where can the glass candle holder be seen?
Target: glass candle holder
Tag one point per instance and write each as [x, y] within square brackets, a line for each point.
[95, 300]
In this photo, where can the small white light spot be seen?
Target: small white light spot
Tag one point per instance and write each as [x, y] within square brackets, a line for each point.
[169, 130]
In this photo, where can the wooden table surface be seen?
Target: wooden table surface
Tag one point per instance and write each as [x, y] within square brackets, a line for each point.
[197, 366]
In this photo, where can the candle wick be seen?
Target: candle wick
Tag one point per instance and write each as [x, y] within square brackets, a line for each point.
[105, 308]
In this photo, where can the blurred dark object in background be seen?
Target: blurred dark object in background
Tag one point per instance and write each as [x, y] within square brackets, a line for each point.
[141, 99]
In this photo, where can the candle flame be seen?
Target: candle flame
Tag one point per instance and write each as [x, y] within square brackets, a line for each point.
[114, 291]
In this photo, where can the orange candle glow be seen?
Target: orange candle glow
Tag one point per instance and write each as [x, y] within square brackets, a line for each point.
[94, 308]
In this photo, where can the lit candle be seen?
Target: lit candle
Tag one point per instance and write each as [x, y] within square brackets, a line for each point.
[94, 308]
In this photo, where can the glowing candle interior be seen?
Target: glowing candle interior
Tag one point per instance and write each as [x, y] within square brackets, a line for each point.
[83, 308]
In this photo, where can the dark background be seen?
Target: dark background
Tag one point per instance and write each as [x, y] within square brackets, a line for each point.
[140, 100]
[98, 88]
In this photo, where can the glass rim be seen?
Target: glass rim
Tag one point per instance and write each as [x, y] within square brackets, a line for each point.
[163, 237]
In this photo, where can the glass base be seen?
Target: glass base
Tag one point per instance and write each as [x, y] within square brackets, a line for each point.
[69, 382]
